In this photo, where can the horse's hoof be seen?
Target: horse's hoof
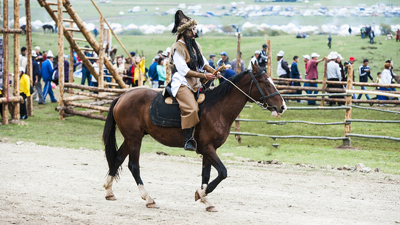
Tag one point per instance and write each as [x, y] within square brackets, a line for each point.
[111, 197]
[196, 195]
[152, 205]
[211, 209]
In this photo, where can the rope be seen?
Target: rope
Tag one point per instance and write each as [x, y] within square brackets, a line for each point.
[257, 102]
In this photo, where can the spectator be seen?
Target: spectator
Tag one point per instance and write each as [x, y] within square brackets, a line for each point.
[85, 70]
[224, 60]
[139, 69]
[47, 72]
[44, 56]
[371, 37]
[36, 79]
[66, 71]
[153, 74]
[362, 30]
[312, 74]
[95, 32]
[364, 73]
[39, 55]
[378, 79]
[119, 66]
[391, 69]
[234, 64]
[168, 53]
[339, 60]
[262, 61]
[229, 72]
[22, 58]
[254, 59]
[295, 74]
[333, 74]
[386, 78]
[350, 30]
[161, 72]
[211, 61]
[398, 35]
[306, 59]
[94, 82]
[159, 54]
[283, 70]
[329, 41]
[24, 91]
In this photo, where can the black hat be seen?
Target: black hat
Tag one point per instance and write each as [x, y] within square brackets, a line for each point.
[265, 46]
[86, 46]
[365, 60]
[212, 55]
[346, 63]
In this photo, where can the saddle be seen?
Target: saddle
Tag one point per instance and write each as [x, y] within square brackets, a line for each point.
[165, 111]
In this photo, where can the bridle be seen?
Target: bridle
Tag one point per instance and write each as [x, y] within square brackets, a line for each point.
[254, 80]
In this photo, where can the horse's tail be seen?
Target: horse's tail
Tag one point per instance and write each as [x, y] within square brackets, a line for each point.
[109, 140]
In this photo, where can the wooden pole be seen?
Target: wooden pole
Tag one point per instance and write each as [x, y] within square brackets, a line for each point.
[116, 37]
[347, 127]
[60, 57]
[238, 70]
[29, 105]
[324, 81]
[11, 99]
[5, 62]
[100, 81]
[71, 57]
[269, 63]
[16, 115]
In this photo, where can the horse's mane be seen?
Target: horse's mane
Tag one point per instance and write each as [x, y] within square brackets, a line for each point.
[215, 94]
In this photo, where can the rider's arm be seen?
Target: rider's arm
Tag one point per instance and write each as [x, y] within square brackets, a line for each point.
[183, 69]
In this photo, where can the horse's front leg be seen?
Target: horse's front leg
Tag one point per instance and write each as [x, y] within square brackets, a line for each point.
[210, 158]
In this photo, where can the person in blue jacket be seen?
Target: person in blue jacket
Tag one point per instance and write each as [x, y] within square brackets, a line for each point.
[47, 72]
[295, 73]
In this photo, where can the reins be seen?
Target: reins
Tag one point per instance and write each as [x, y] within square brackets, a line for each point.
[258, 87]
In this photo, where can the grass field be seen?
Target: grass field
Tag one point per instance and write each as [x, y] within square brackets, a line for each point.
[75, 132]
[111, 11]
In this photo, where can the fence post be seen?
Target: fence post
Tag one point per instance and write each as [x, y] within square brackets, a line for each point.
[238, 70]
[29, 104]
[5, 62]
[101, 54]
[269, 62]
[61, 75]
[71, 59]
[347, 127]
[16, 115]
[324, 82]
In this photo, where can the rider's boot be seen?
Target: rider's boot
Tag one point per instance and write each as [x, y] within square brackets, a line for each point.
[190, 144]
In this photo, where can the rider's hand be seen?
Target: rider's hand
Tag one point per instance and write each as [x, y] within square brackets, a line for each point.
[219, 75]
[210, 76]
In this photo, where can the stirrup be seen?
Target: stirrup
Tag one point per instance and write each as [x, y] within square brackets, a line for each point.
[190, 145]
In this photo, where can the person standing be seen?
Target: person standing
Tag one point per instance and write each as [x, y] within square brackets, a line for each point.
[229, 72]
[333, 74]
[94, 82]
[24, 91]
[295, 74]
[36, 79]
[339, 60]
[139, 69]
[224, 60]
[306, 59]
[153, 73]
[211, 61]
[350, 30]
[254, 59]
[398, 35]
[234, 64]
[312, 74]
[362, 32]
[371, 37]
[22, 58]
[263, 59]
[329, 41]
[364, 73]
[386, 78]
[283, 70]
[85, 70]
[47, 73]
[161, 72]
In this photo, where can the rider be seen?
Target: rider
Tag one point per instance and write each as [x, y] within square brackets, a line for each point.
[189, 65]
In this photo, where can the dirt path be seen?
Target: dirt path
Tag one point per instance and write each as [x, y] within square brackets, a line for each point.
[43, 185]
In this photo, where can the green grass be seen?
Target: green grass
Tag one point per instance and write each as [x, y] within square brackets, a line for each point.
[75, 132]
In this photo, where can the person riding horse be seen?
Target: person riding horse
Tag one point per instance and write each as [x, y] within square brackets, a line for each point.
[189, 65]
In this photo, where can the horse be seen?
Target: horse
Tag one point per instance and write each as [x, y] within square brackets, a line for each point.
[222, 105]
[48, 27]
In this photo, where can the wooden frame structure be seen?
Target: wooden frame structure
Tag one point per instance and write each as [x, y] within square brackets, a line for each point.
[12, 103]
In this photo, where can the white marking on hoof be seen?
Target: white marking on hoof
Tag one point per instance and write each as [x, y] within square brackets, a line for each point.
[210, 207]
[200, 193]
[108, 186]
[150, 203]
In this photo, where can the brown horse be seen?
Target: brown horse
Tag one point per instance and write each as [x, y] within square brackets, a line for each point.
[221, 107]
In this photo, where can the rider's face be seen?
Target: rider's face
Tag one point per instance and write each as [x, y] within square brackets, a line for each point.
[194, 30]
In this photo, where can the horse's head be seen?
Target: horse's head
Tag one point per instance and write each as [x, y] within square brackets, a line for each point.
[263, 89]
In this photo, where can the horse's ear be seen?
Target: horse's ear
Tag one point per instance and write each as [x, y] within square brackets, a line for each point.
[254, 67]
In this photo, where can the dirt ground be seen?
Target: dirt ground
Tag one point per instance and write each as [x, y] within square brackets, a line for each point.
[45, 185]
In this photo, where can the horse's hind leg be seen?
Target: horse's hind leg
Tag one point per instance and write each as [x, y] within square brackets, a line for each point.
[121, 155]
[135, 169]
